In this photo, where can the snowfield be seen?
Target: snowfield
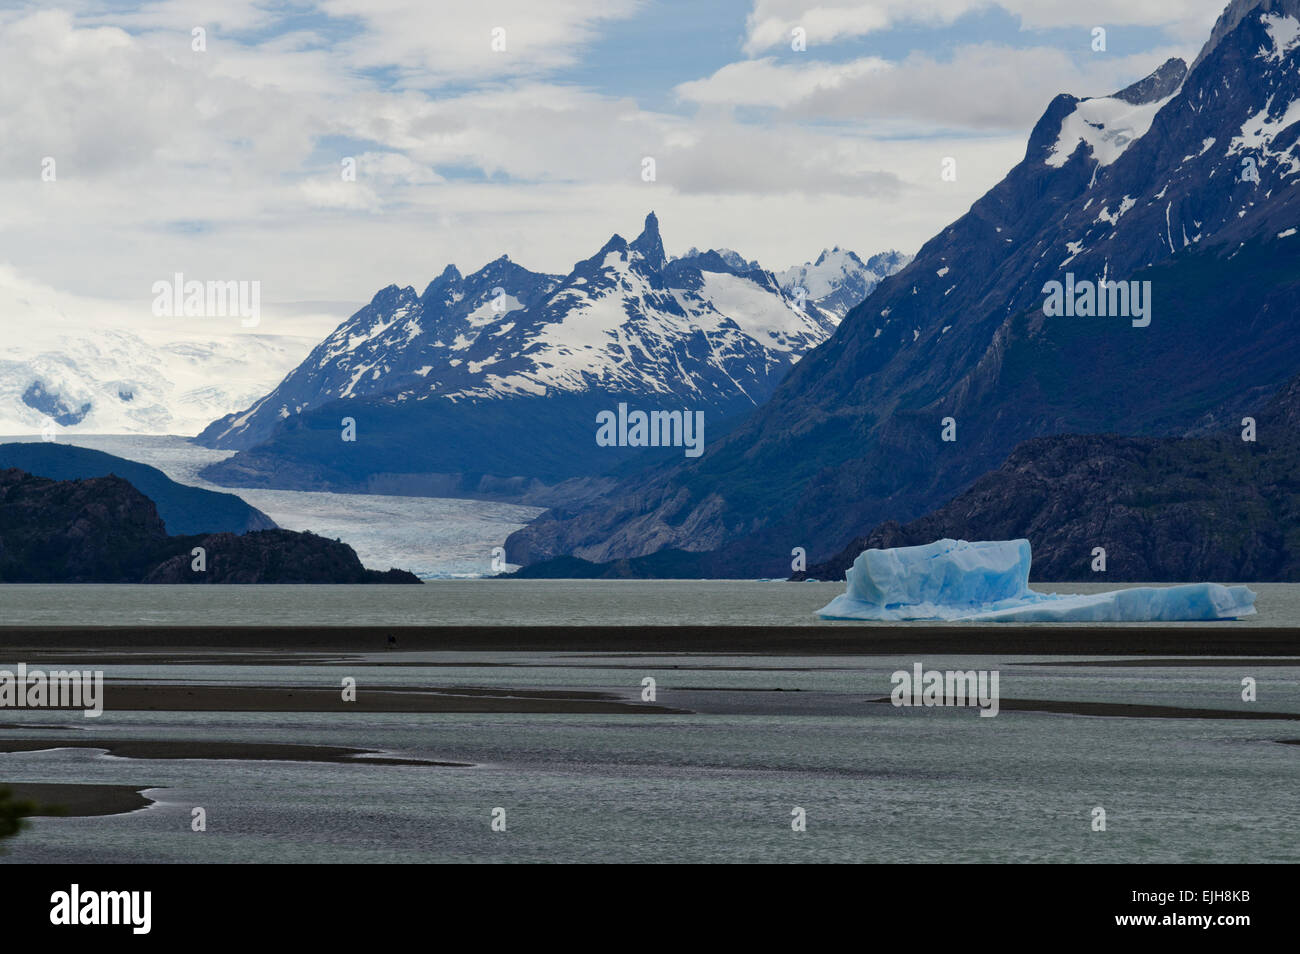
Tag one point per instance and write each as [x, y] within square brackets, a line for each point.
[113, 367]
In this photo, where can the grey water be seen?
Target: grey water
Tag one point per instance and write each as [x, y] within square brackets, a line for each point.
[503, 602]
[760, 737]
[763, 737]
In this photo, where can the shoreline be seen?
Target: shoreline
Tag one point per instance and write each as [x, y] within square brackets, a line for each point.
[1078, 639]
[196, 697]
[220, 751]
[80, 799]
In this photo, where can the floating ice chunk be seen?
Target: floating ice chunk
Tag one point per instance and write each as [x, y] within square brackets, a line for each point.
[946, 571]
[989, 582]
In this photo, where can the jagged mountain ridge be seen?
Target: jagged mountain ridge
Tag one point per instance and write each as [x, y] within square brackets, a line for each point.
[838, 279]
[1108, 188]
[708, 326]
[489, 384]
[371, 352]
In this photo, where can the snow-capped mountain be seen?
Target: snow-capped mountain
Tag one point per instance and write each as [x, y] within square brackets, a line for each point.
[708, 328]
[391, 344]
[838, 280]
[1184, 182]
[495, 364]
[730, 256]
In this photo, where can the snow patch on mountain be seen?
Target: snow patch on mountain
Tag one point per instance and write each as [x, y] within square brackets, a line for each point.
[1260, 130]
[1283, 32]
[838, 279]
[751, 309]
[1107, 125]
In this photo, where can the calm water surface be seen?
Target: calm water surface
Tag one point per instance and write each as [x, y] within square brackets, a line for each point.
[761, 736]
[719, 783]
[504, 602]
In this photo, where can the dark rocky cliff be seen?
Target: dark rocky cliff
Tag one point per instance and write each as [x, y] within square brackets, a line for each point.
[103, 530]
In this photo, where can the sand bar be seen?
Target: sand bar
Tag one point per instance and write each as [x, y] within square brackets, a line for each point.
[79, 799]
[204, 749]
[136, 697]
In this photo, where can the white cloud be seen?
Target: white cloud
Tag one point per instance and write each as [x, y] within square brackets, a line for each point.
[770, 21]
[978, 87]
[226, 164]
[448, 40]
[767, 82]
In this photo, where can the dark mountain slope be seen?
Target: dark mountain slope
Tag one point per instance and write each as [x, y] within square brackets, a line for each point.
[1164, 509]
[1214, 507]
[183, 509]
[1145, 185]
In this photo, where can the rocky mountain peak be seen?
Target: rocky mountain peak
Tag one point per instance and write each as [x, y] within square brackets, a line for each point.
[649, 243]
[1156, 85]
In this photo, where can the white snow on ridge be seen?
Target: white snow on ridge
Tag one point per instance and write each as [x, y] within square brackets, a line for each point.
[838, 279]
[822, 278]
[760, 314]
[619, 321]
[485, 314]
[1108, 126]
[1284, 32]
[625, 335]
[1258, 133]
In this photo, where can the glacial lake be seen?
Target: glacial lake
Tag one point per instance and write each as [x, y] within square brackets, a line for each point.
[763, 736]
[496, 602]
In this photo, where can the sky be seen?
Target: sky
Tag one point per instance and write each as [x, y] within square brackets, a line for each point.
[210, 139]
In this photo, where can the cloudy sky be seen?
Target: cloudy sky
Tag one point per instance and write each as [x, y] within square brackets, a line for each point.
[225, 163]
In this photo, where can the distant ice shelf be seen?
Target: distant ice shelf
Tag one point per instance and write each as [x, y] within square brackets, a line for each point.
[988, 582]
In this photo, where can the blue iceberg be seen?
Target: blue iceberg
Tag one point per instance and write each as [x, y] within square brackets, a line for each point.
[988, 582]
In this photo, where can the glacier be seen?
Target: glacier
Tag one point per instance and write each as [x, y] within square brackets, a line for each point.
[988, 582]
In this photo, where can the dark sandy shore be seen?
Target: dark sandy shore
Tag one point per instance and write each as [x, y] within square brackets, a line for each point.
[202, 749]
[76, 798]
[149, 697]
[79, 799]
[1132, 710]
[1080, 639]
